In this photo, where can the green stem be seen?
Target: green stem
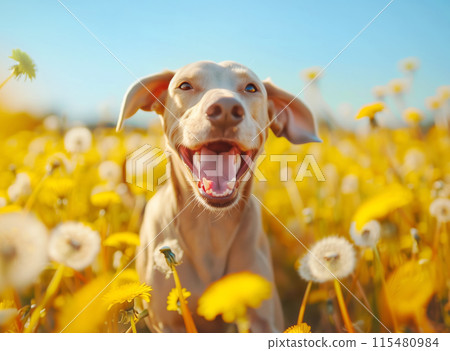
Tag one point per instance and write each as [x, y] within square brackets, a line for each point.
[6, 80]
[51, 291]
[384, 289]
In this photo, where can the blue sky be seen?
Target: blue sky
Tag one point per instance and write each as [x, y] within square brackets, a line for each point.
[79, 78]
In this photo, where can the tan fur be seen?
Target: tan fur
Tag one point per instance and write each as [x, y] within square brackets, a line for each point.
[210, 242]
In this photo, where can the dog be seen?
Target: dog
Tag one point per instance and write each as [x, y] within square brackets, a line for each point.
[211, 222]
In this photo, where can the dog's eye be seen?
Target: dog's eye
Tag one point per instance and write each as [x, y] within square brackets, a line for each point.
[251, 88]
[185, 86]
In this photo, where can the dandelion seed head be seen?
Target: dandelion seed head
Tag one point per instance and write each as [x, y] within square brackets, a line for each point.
[443, 92]
[413, 115]
[397, 86]
[440, 209]
[23, 249]
[379, 91]
[74, 244]
[409, 64]
[368, 236]
[333, 254]
[20, 188]
[110, 171]
[311, 73]
[349, 184]
[303, 268]
[78, 140]
[433, 103]
[52, 123]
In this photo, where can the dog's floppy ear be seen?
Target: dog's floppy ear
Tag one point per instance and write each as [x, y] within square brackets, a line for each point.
[289, 117]
[146, 94]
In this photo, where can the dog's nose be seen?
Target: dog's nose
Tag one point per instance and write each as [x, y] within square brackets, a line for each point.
[225, 112]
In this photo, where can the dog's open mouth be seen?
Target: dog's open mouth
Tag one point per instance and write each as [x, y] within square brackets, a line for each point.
[217, 167]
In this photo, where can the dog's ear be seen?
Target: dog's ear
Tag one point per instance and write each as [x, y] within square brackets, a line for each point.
[289, 117]
[147, 94]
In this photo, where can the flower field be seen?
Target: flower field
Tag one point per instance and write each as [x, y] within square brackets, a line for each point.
[365, 250]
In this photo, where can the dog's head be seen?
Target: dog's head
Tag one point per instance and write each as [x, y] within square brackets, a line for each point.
[215, 119]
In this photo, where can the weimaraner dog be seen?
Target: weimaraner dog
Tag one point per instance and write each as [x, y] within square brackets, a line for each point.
[214, 117]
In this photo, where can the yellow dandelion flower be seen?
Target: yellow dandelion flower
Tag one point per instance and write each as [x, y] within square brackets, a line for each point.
[126, 276]
[413, 115]
[173, 301]
[410, 287]
[370, 110]
[70, 320]
[55, 190]
[122, 239]
[392, 197]
[232, 295]
[126, 293]
[105, 199]
[298, 328]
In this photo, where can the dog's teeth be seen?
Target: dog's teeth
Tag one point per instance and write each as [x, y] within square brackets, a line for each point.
[230, 185]
[238, 161]
[209, 192]
[207, 183]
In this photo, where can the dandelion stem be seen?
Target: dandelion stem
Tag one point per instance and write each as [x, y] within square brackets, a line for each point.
[51, 290]
[243, 324]
[436, 238]
[133, 325]
[384, 290]
[30, 202]
[304, 301]
[7, 79]
[343, 308]
[187, 317]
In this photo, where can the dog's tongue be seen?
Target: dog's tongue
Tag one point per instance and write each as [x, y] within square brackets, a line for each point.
[216, 172]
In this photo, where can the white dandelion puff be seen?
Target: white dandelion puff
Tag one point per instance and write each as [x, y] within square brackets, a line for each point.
[23, 249]
[108, 143]
[78, 139]
[110, 171]
[52, 122]
[379, 91]
[440, 209]
[369, 234]
[160, 261]
[74, 245]
[330, 258]
[20, 188]
[303, 269]
[349, 184]
[409, 64]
